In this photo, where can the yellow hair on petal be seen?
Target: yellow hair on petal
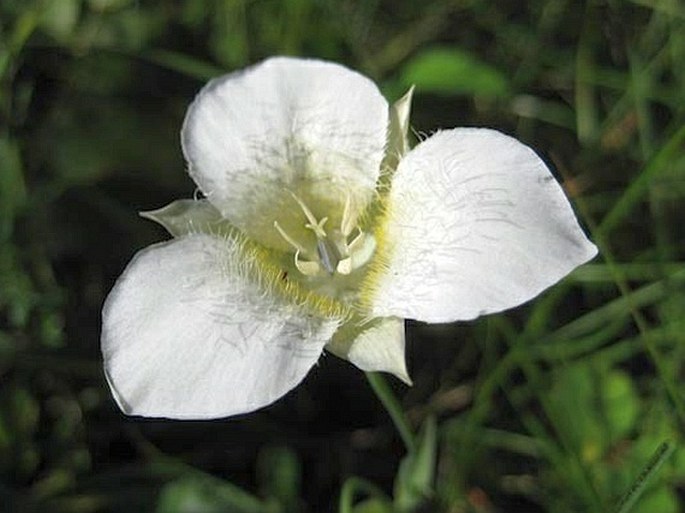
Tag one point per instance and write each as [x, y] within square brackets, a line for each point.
[379, 265]
[260, 265]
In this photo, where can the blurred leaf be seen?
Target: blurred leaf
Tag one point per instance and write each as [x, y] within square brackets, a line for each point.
[620, 404]
[128, 29]
[87, 141]
[51, 329]
[103, 5]
[374, 505]
[57, 481]
[195, 13]
[197, 495]
[228, 40]
[601, 406]
[661, 500]
[184, 64]
[5, 59]
[645, 479]
[416, 475]
[7, 349]
[596, 412]
[452, 71]
[659, 162]
[354, 486]
[593, 407]
[616, 309]
[12, 186]
[572, 399]
[5, 441]
[60, 18]
[678, 462]
[28, 20]
[18, 454]
[552, 112]
[25, 412]
[280, 476]
[657, 425]
[17, 294]
[102, 74]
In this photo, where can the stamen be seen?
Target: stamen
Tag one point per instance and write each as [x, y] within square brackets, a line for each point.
[346, 225]
[288, 238]
[316, 226]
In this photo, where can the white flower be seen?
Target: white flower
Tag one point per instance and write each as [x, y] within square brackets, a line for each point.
[321, 229]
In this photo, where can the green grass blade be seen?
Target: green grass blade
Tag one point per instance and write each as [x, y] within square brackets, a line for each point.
[662, 453]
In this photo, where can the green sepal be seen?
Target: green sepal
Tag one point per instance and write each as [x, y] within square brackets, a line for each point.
[358, 341]
[398, 142]
[186, 216]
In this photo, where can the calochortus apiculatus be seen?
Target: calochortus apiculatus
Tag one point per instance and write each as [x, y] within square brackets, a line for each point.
[321, 229]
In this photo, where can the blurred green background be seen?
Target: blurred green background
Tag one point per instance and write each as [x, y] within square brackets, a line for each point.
[557, 406]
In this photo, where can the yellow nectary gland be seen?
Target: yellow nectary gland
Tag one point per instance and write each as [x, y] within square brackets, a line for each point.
[338, 250]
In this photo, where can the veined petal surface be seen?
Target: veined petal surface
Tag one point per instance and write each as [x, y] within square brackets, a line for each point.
[187, 333]
[313, 128]
[475, 223]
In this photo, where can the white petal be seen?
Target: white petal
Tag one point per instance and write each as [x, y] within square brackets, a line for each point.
[377, 346]
[314, 128]
[187, 334]
[475, 224]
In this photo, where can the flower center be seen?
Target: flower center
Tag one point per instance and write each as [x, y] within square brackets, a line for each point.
[337, 250]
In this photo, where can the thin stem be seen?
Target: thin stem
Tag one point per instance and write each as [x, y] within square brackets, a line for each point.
[393, 407]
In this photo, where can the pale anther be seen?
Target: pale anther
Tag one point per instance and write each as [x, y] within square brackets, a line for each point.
[307, 267]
